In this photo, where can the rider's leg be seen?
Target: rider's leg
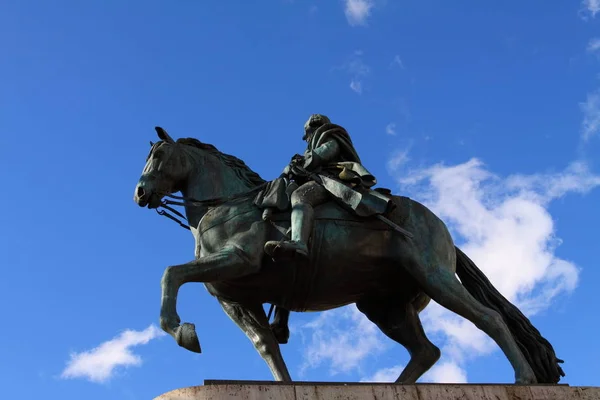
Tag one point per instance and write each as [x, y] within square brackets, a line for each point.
[303, 199]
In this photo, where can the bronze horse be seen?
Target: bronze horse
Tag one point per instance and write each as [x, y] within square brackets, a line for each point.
[389, 277]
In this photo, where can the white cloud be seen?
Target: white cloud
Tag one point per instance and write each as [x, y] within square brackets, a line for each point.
[507, 230]
[591, 115]
[399, 158]
[446, 372]
[357, 69]
[385, 374]
[356, 66]
[390, 128]
[460, 338]
[591, 7]
[356, 85]
[342, 338]
[548, 186]
[443, 372]
[397, 61]
[593, 46]
[99, 364]
[357, 11]
[504, 225]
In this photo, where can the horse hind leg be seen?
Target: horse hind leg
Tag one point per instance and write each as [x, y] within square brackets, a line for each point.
[442, 285]
[401, 323]
[253, 321]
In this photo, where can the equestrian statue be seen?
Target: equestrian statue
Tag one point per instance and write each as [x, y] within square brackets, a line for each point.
[319, 237]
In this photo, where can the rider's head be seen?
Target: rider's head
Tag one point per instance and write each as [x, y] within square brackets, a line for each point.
[315, 121]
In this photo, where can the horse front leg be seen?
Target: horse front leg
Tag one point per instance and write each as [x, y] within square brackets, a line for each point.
[229, 263]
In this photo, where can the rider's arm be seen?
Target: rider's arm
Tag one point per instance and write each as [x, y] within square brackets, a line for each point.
[325, 153]
[297, 158]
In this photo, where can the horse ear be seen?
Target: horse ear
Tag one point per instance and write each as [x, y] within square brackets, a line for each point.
[163, 135]
[151, 143]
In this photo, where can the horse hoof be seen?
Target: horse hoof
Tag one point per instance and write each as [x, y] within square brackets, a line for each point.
[282, 334]
[528, 380]
[187, 338]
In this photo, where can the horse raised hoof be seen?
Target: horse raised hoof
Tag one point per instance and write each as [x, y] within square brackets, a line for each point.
[281, 333]
[187, 338]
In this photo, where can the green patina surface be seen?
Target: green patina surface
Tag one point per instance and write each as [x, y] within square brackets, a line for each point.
[348, 259]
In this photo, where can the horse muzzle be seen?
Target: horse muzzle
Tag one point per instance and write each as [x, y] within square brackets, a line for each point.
[146, 198]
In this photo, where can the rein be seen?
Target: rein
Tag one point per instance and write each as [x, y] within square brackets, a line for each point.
[189, 201]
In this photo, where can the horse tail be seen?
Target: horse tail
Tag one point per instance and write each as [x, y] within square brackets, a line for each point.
[536, 349]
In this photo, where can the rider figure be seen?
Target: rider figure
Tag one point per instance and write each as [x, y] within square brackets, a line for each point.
[330, 152]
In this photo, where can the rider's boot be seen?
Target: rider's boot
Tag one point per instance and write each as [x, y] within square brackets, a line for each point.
[302, 225]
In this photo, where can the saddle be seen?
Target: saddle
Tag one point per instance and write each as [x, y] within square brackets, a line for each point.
[276, 197]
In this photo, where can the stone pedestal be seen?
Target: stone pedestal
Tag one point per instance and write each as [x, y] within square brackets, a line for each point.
[251, 390]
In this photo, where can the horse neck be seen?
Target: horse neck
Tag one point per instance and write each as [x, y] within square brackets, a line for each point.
[209, 179]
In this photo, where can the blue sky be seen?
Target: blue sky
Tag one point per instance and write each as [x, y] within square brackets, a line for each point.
[488, 113]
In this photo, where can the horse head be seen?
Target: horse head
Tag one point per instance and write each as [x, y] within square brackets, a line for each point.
[165, 171]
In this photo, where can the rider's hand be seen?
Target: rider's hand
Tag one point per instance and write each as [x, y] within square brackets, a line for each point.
[297, 158]
[311, 162]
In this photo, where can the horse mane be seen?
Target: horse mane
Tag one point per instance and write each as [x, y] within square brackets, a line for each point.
[240, 168]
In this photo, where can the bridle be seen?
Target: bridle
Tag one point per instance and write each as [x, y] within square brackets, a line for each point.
[189, 201]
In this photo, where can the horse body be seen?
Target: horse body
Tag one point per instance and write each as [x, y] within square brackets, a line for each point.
[336, 275]
[353, 260]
